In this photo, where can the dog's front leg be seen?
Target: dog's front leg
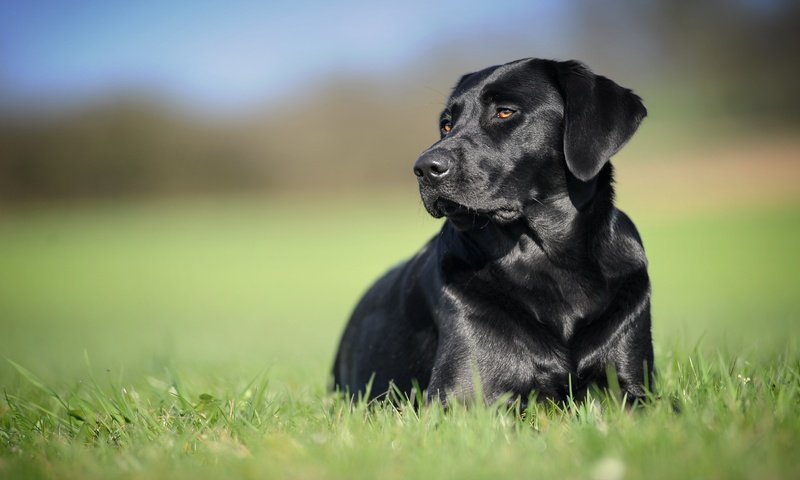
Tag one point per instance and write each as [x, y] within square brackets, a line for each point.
[622, 341]
[454, 373]
[480, 364]
[632, 358]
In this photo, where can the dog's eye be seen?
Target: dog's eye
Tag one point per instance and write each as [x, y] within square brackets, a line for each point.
[504, 113]
[446, 126]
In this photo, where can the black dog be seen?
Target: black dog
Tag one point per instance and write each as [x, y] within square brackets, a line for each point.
[536, 282]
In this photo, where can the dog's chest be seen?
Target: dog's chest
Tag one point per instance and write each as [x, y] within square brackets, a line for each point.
[563, 302]
[560, 300]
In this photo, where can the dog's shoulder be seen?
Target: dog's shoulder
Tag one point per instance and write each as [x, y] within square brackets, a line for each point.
[623, 227]
[621, 250]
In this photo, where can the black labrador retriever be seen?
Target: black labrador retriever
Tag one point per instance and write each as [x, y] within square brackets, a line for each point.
[536, 283]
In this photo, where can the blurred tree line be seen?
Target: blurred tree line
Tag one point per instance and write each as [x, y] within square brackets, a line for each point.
[703, 62]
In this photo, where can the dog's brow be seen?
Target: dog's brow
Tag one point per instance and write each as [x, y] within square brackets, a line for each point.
[497, 94]
[454, 109]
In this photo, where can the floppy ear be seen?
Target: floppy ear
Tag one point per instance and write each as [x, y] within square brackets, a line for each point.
[599, 118]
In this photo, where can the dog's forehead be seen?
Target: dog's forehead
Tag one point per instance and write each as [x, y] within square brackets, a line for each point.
[525, 74]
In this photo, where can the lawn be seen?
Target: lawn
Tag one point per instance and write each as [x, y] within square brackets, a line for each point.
[192, 339]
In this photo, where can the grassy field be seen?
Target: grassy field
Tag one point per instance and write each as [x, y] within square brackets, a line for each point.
[193, 339]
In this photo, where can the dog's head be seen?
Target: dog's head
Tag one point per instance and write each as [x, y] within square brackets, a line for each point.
[522, 132]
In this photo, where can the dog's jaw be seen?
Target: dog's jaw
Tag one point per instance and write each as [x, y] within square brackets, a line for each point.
[465, 217]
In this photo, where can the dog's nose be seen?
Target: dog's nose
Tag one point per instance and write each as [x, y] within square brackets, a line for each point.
[432, 166]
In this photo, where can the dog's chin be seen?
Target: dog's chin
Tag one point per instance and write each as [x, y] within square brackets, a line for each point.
[465, 217]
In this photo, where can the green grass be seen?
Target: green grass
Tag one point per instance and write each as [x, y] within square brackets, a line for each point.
[194, 339]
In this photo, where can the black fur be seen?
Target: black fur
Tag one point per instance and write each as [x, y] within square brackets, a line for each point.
[536, 282]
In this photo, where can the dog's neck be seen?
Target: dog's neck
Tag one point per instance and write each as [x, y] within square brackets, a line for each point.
[556, 229]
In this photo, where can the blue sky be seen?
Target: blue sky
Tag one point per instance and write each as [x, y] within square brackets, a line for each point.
[230, 54]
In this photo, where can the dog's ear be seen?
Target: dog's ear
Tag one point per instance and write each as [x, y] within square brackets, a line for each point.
[599, 118]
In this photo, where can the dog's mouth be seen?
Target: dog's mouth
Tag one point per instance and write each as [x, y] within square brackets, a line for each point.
[449, 208]
[463, 215]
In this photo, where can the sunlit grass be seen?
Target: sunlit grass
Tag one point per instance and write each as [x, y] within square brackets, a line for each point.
[721, 417]
[190, 340]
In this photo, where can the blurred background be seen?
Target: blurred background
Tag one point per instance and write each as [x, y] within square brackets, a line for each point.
[215, 183]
